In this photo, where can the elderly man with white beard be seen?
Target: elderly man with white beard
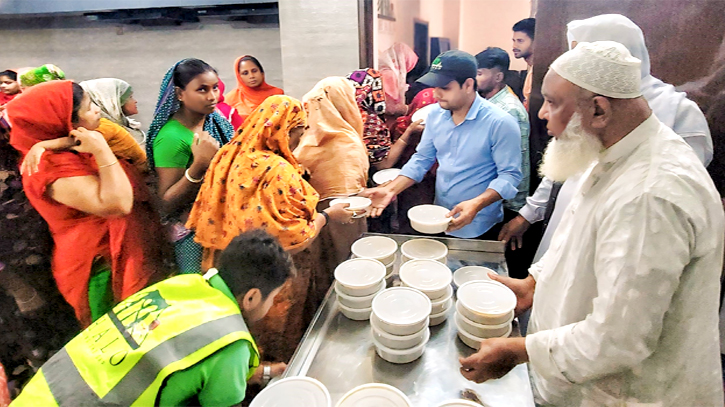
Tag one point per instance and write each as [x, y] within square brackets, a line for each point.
[625, 301]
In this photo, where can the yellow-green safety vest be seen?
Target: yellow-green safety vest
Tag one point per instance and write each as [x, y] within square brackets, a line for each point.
[123, 358]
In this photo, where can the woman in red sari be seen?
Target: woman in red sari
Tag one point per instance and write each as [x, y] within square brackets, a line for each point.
[97, 207]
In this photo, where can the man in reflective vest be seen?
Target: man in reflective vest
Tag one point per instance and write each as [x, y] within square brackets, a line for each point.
[183, 341]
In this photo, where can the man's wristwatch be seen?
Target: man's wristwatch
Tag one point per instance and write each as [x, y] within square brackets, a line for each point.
[327, 217]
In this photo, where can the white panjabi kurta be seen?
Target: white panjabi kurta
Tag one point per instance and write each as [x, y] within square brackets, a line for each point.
[626, 304]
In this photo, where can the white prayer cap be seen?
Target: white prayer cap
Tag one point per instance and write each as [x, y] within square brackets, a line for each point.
[603, 67]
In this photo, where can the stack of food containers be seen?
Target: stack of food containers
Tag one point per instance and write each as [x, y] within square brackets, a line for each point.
[433, 279]
[399, 324]
[357, 281]
[484, 310]
[424, 249]
[380, 248]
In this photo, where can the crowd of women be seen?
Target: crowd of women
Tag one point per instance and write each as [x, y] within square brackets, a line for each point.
[88, 196]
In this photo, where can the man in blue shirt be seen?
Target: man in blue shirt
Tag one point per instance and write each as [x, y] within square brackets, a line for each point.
[477, 146]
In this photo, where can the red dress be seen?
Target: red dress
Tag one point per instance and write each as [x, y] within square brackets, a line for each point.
[129, 243]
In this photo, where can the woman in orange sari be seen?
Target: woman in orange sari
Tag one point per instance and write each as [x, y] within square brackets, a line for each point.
[255, 182]
[251, 89]
[333, 152]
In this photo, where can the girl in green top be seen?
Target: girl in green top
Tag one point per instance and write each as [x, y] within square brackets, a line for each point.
[185, 134]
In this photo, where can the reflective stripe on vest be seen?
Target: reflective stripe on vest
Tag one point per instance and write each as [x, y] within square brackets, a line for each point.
[124, 357]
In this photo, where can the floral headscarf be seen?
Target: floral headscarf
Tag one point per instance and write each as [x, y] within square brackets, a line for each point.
[370, 97]
[254, 182]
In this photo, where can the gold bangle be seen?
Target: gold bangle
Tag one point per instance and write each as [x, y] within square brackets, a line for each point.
[404, 142]
[107, 165]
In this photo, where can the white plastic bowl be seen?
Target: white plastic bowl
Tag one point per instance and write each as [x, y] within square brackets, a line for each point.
[357, 302]
[397, 341]
[401, 310]
[389, 269]
[424, 249]
[355, 314]
[459, 403]
[422, 113]
[440, 306]
[360, 277]
[429, 276]
[358, 204]
[400, 356]
[471, 273]
[294, 391]
[386, 175]
[486, 302]
[375, 247]
[482, 320]
[480, 330]
[430, 219]
[352, 293]
[439, 318]
[373, 395]
[472, 340]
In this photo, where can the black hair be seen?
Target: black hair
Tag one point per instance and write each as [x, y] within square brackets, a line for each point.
[526, 26]
[461, 81]
[10, 74]
[254, 259]
[493, 57]
[253, 59]
[78, 94]
[189, 69]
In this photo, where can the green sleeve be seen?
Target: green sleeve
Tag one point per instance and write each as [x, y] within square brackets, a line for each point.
[218, 380]
[172, 146]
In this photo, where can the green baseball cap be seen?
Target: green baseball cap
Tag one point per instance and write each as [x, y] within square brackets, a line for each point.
[450, 66]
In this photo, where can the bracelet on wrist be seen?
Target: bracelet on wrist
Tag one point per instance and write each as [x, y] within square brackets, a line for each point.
[192, 180]
[108, 165]
[326, 216]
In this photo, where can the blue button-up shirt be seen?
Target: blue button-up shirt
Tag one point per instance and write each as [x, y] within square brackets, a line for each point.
[482, 152]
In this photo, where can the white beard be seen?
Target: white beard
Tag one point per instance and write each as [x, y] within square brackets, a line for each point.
[572, 153]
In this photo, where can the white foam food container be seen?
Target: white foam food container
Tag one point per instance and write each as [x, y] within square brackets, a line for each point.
[401, 310]
[480, 330]
[373, 395]
[424, 249]
[486, 302]
[429, 219]
[340, 289]
[439, 318]
[441, 306]
[400, 356]
[385, 175]
[473, 341]
[361, 314]
[375, 247]
[294, 391]
[357, 302]
[358, 204]
[397, 341]
[360, 277]
[429, 276]
[471, 273]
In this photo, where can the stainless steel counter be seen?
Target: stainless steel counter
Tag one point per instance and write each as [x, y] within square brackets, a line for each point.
[339, 352]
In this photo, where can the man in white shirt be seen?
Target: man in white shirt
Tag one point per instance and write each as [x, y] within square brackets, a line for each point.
[626, 298]
[672, 108]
